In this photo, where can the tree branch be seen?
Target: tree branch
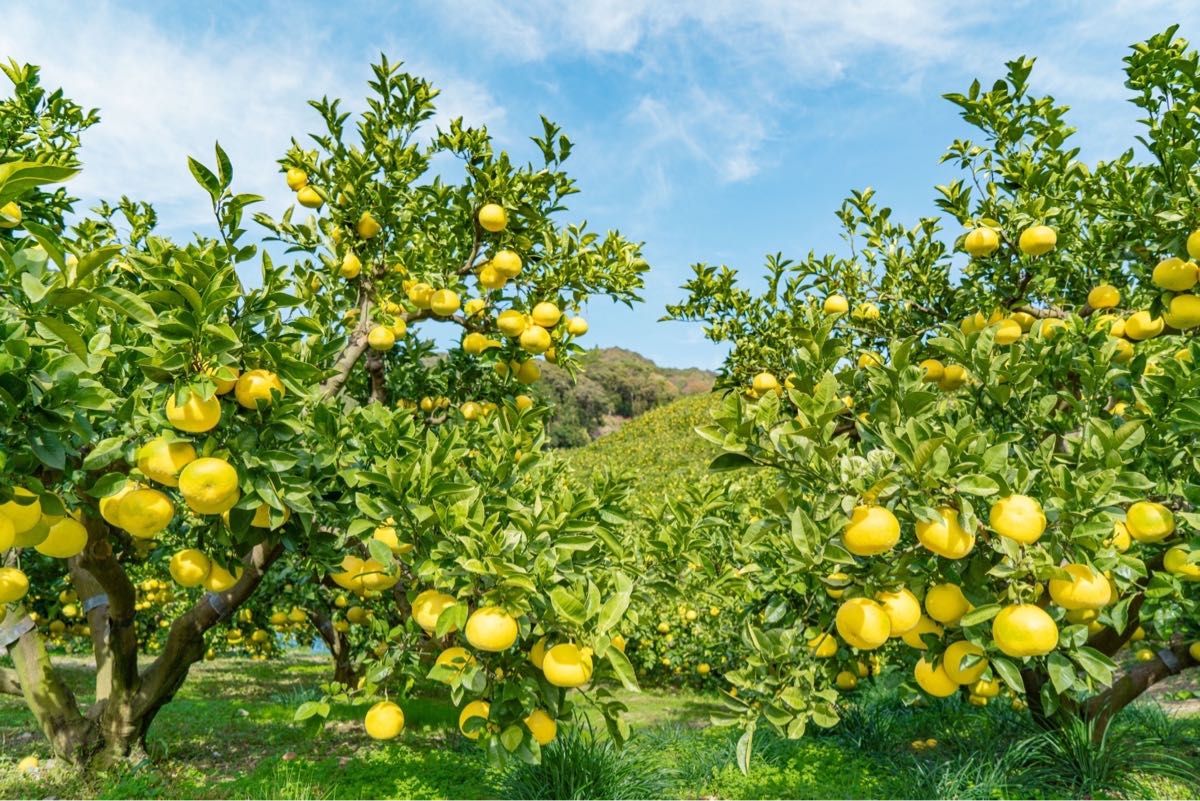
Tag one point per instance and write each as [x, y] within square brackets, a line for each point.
[10, 684]
[114, 635]
[1100, 708]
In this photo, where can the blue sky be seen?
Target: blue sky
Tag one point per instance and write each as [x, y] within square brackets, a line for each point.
[714, 130]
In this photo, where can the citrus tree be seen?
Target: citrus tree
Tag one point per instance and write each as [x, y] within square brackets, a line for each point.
[201, 412]
[983, 425]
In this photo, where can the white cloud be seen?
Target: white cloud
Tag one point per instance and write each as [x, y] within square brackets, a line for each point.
[166, 94]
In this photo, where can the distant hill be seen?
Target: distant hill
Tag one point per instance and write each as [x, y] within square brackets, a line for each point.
[613, 386]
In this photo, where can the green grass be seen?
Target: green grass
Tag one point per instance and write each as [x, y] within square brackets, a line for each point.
[230, 735]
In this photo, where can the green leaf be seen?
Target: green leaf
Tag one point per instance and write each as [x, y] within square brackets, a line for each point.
[127, 303]
[745, 747]
[1062, 672]
[205, 178]
[1009, 672]
[623, 669]
[977, 485]
[568, 606]
[614, 608]
[66, 334]
[980, 615]
[730, 461]
[104, 453]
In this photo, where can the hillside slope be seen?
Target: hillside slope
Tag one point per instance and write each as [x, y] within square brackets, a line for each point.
[659, 448]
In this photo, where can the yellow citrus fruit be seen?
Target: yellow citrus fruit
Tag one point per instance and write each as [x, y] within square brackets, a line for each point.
[865, 311]
[946, 603]
[925, 625]
[934, 680]
[475, 709]
[980, 242]
[1148, 521]
[1120, 539]
[823, 646]
[309, 197]
[542, 727]
[871, 530]
[527, 372]
[1175, 561]
[455, 658]
[1087, 588]
[474, 306]
[1037, 240]
[506, 263]
[219, 579]
[189, 567]
[367, 226]
[945, 537]
[145, 512]
[836, 304]
[13, 585]
[381, 338]
[1175, 274]
[1019, 518]
[1124, 351]
[225, 377]
[350, 267]
[932, 371]
[1140, 325]
[1024, 630]
[1008, 331]
[546, 314]
[296, 179]
[567, 665]
[845, 680]
[388, 536]
[475, 343]
[66, 538]
[7, 534]
[428, 606]
[511, 323]
[952, 662]
[10, 215]
[1144, 655]
[384, 721]
[161, 461]
[258, 385]
[490, 277]
[1104, 296]
[867, 360]
[1194, 648]
[28, 765]
[902, 608]
[209, 486]
[1183, 312]
[493, 217]
[764, 383]
[535, 339]
[444, 302]
[195, 416]
[953, 377]
[24, 513]
[863, 623]
[835, 584]
[490, 628]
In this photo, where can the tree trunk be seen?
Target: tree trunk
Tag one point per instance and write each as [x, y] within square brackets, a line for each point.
[1100, 709]
[343, 669]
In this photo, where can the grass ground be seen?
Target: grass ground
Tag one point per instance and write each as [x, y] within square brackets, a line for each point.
[230, 735]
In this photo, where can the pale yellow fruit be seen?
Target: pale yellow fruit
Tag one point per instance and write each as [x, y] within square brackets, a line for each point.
[527, 372]
[196, 415]
[542, 727]
[219, 579]
[255, 386]
[566, 665]
[863, 623]
[577, 326]
[189, 567]
[7, 535]
[309, 197]
[523, 403]
[474, 306]
[384, 721]
[1140, 326]
[823, 646]
[475, 709]
[367, 226]
[13, 585]
[507, 263]
[945, 537]
[490, 277]
[1175, 274]
[1024, 319]
[902, 608]
[1148, 521]
[66, 538]
[867, 360]
[1104, 296]
[535, 339]
[932, 371]
[871, 530]
[913, 636]
[1183, 312]
[946, 603]
[511, 323]
[10, 215]
[953, 377]
[537, 654]
[493, 217]
[1120, 539]
[985, 688]
[934, 680]
[475, 343]
[845, 681]
[25, 515]
[381, 338]
[209, 486]
[545, 314]
[1124, 352]
[296, 179]
[1024, 630]
[980, 242]
[952, 662]
[1175, 561]
[1087, 588]
[1019, 518]
[144, 513]
[490, 628]
[763, 383]
[1007, 332]
[836, 304]
[350, 267]
[444, 302]
[161, 461]
[1037, 240]
[428, 606]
